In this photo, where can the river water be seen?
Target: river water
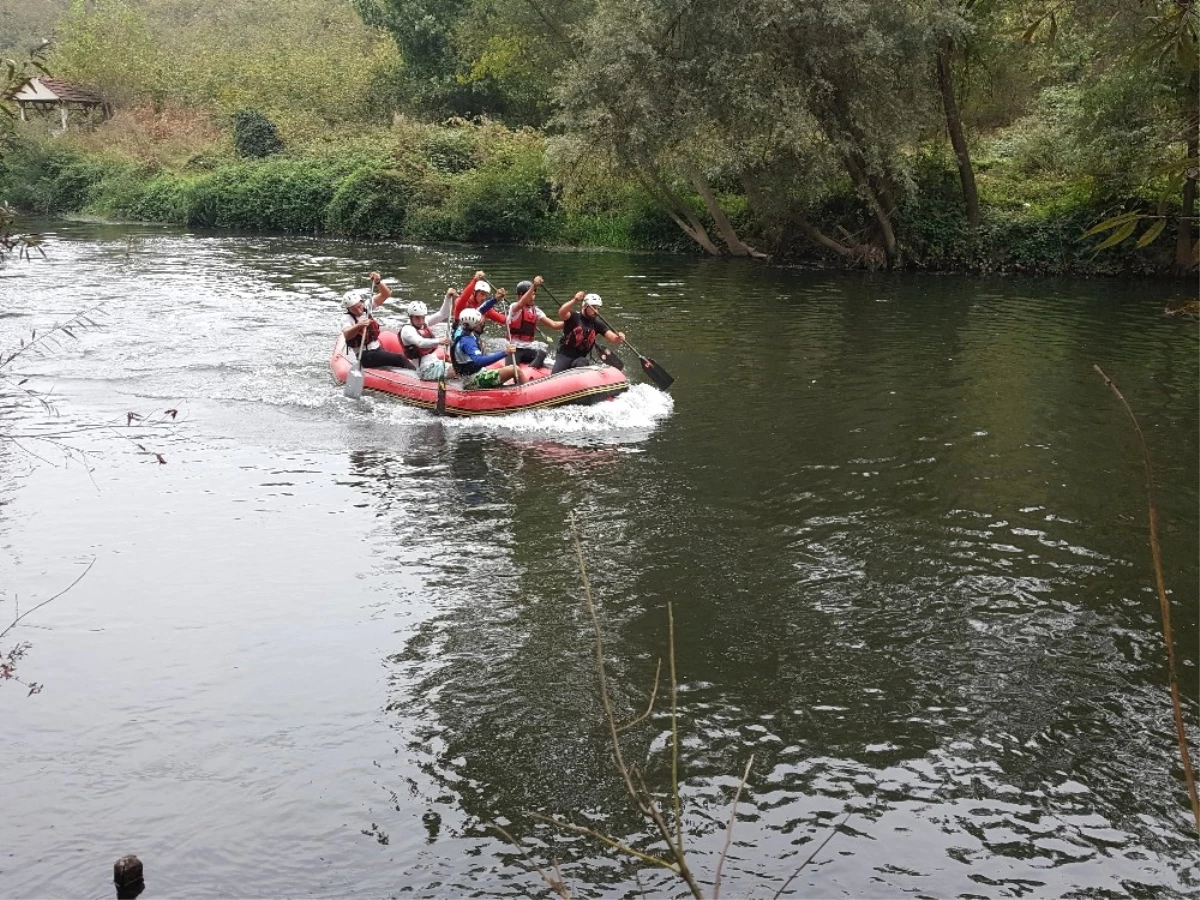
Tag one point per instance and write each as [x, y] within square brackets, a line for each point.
[900, 521]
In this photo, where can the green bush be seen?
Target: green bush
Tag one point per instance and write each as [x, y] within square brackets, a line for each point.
[288, 195]
[371, 203]
[254, 135]
[450, 150]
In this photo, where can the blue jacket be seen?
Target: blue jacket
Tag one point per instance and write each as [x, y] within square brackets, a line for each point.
[469, 358]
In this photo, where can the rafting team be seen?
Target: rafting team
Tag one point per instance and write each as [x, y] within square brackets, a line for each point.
[468, 313]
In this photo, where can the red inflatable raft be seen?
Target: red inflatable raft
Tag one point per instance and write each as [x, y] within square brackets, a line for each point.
[541, 390]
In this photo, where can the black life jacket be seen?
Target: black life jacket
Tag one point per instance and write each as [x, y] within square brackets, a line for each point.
[578, 341]
[372, 334]
[414, 352]
[523, 326]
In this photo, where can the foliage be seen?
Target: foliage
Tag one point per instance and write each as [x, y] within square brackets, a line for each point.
[254, 134]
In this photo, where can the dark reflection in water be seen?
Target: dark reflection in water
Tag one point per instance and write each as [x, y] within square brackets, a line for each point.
[900, 521]
[915, 606]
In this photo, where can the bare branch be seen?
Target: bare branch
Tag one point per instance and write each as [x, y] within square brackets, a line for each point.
[1163, 603]
[556, 884]
[607, 839]
[729, 829]
[813, 855]
[650, 705]
[16, 621]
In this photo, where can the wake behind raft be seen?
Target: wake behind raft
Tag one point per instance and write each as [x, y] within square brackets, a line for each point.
[541, 390]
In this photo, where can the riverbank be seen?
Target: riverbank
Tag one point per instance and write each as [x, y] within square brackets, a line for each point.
[489, 184]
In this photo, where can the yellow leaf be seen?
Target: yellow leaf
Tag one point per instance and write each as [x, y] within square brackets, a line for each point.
[1110, 223]
[1151, 233]
[1117, 236]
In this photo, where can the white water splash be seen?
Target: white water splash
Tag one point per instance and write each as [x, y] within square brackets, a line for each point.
[630, 417]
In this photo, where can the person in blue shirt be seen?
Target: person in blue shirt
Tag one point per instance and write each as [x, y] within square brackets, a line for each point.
[470, 360]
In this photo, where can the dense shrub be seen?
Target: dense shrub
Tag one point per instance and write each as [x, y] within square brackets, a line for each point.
[254, 135]
[371, 203]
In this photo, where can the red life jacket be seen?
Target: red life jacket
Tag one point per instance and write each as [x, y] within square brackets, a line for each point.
[523, 326]
[415, 353]
[372, 335]
[578, 341]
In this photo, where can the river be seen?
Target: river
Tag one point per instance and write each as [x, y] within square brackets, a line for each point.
[901, 523]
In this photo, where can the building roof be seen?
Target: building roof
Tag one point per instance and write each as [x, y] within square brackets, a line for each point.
[44, 89]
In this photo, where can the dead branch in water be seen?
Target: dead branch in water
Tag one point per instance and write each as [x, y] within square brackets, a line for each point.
[13, 655]
[1163, 603]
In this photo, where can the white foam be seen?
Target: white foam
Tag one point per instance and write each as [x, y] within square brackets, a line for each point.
[630, 416]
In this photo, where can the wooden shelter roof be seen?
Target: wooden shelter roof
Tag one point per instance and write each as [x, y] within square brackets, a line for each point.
[45, 89]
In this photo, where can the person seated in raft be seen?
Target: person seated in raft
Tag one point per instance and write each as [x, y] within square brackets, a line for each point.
[420, 344]
[579, 331]
[357, 325]
[475, 294]
[523, 319]
[469, 359]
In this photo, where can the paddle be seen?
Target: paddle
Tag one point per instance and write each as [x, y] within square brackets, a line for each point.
[440, 408]
[653, 370]
[355, 377]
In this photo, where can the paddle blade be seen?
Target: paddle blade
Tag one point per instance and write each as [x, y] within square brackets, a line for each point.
[656, 373]
[610, 358]
[354, 383]
[441, 400]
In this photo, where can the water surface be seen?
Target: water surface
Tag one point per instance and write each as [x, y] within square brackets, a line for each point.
[900, 520]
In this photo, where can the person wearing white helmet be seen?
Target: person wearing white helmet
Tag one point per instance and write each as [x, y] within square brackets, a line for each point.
[580, 328]
[420, 343]
[361, 330]
[469, 359]
[475, 294]
[523, 321]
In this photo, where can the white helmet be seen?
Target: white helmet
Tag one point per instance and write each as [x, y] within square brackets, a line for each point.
[482, 285]
[417, 308]
[593, 300]
[470, 317]
[350, 298]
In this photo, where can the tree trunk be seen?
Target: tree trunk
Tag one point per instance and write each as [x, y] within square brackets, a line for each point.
[886, 230]
[1184, 255]
[678, 211]
[966, 174]
[735, 244]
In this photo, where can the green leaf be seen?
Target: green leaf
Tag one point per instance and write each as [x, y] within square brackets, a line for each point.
[1151, 233]
[1117, 236]
[1110, 223]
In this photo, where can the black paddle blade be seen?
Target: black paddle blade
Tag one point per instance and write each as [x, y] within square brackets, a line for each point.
[441, 400]
[610, 358]
[656, 373]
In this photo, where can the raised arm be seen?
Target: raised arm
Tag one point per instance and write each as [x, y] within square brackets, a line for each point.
[564, 311]
[442, 314]
[382, 291]
[467, 293]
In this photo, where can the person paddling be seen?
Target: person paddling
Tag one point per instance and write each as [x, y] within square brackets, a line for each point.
[474, 295]
[469, 358]
[420, 343]
[580, 328]
[523, 321]
[359, 328]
